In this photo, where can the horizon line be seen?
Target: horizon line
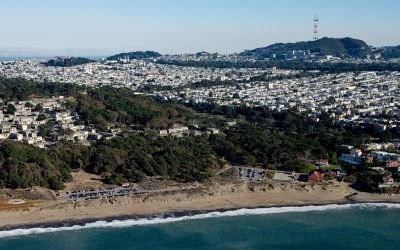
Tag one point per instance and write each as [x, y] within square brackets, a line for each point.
[51, 52]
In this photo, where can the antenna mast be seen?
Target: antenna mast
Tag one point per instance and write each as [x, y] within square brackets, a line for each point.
[316, 20]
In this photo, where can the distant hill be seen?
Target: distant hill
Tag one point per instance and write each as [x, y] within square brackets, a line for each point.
[67, 61]
[135, 55]
[391, 52]
[325, 46]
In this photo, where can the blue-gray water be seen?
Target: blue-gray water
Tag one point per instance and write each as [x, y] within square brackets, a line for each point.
[345, 228]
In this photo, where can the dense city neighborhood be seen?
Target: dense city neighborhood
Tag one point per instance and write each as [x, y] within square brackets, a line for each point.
[122, 73]
[354, 99]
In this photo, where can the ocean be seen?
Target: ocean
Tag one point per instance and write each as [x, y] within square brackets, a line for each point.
[351, 226]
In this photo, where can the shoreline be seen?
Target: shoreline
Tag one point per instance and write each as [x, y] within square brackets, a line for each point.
[174, 214]
[217, 198]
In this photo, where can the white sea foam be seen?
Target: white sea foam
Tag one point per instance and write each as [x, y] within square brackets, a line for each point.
[150, 221]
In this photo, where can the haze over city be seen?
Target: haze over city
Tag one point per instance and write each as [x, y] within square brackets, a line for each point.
[103, 27]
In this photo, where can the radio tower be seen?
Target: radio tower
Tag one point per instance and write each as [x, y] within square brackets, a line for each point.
[316, 19]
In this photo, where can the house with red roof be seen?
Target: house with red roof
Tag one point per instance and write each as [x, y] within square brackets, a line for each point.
[316, 177]
[323, 163]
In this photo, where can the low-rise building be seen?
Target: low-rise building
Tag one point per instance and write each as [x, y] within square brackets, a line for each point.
[316, 177]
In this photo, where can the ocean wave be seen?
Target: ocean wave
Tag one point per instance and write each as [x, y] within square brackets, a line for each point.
[162, 219]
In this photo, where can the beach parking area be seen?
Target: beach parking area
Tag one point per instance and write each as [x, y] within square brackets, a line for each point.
[283, 176]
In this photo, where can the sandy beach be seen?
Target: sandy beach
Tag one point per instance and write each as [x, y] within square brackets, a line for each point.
[209, 197]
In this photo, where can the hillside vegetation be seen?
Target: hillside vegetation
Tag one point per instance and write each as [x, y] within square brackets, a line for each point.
[135, 55]
[325, 46]
[276, 140]
[391, 52]
[67, 61]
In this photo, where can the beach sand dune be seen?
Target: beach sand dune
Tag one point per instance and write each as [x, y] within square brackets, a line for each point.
[212, 196]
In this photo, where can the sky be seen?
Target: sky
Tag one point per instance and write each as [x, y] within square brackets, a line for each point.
[183, 26]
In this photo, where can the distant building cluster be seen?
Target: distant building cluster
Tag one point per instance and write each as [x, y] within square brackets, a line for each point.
[42, 122]
[357, 99]
[378, 156]
[367, 99]
[132, 74]
[181, 131]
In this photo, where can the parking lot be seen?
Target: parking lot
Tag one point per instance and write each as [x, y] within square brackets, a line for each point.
[82, 195]
[114, 192]
[250, 174]
[284, 176]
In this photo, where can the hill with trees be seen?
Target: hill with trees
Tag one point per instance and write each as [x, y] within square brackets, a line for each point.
[293, 65]
[344, 47]
[23, 166]
[135, 55]
[284, 140]
[391, 52]
[128, 158]
[67, 61]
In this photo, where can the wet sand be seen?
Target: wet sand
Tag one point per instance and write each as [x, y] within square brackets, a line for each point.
[211, 198]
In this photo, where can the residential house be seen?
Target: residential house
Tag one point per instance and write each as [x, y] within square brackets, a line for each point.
[323, 163]
[316, 177]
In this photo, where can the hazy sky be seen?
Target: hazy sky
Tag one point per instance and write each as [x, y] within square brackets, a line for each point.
[177, 26]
